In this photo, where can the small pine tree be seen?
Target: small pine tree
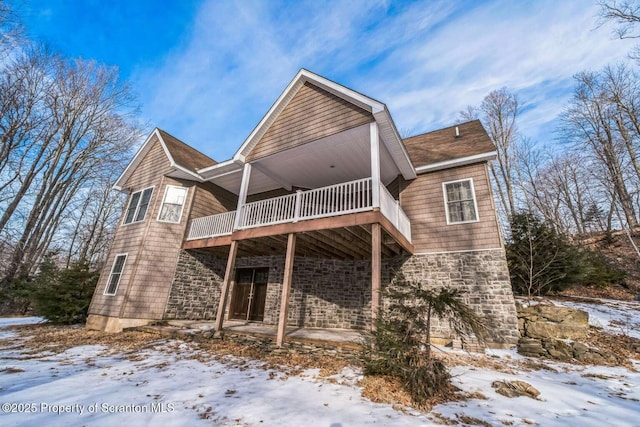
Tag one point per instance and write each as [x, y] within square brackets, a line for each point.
[401, 345]
[63, 295]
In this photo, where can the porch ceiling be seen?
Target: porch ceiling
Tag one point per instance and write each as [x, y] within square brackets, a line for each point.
[346, 243]
[342, 157]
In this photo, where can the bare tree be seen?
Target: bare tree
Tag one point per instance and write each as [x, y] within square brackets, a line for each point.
[592, 122]
[85, 135]
[625, 13]
[498, 113]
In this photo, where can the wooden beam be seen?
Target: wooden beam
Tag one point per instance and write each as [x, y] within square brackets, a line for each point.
[332, 237]
[286, 288]
[307, 245]
[226, 284]
[207, 243]
[376, 271]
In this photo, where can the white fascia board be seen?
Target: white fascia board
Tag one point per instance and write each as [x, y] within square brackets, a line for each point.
[220, 169]
[395, 146]
[482, 157]
[344, 92]
[187, 171]
[137, 158]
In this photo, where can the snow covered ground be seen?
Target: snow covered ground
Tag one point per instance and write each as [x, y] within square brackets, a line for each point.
[164, 385]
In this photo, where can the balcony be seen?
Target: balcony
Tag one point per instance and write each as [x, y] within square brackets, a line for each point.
[334, 200]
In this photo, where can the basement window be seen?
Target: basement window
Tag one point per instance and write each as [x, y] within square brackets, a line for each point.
[138, 204]
[460, 201]
[116, 273]
[172, 205]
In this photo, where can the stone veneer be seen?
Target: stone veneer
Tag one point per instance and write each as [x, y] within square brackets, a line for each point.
[483, 276]
[329, 293]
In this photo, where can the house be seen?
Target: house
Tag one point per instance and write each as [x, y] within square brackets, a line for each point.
[307, 222]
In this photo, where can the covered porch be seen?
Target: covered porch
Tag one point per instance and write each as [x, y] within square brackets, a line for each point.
[324, 199]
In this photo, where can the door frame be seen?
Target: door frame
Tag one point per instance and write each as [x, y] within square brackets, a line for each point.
[234, 293]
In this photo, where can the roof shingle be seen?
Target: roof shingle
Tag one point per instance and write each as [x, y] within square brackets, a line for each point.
[184, 155]
[442, 145]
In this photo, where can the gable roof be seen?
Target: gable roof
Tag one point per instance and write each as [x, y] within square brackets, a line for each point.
[387, 130]
[441, 148]
[184, 155]
[183, 159]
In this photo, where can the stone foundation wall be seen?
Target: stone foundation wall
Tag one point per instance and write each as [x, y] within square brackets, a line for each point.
[325, 293]
[483, 276]
[330, 293]
[195, 290]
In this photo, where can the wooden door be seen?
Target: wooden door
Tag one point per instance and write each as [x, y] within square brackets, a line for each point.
[260, 279]
[249, 294]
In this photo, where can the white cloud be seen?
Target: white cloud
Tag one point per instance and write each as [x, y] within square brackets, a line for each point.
[426, 60]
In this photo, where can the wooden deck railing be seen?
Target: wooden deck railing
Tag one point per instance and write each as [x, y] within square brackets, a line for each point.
[339, 199]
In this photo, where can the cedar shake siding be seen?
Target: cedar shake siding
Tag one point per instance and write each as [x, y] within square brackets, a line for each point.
[423, 201]
[211, 199]
[312, 114]
[130, 237]
[152, 246]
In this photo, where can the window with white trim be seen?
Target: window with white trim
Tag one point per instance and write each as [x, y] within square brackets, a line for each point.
[460, 201]
[138, 204]
[116, 273]
[173, 203]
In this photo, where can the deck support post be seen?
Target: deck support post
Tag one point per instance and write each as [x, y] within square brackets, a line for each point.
[376, 271]
[226, 284]
[375, 164]
[286, 288]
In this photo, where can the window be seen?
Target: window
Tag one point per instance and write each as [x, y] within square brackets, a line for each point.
[138, 205]
[116, 273]
[172, 205]
[460, 201]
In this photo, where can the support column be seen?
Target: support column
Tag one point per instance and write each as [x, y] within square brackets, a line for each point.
[226, 284]
[242, 197]
[286, 289]
[375, 164]
[376, 271]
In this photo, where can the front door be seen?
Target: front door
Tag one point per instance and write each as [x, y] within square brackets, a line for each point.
[249, 294]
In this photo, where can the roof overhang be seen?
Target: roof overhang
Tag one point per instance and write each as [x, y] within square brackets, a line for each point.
[177, 170]
[461, 161]
[388, 132]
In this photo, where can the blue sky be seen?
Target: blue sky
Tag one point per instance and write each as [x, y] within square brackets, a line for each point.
[207, 71]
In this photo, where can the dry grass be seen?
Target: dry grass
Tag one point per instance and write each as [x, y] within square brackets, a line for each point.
[56, 339]
[624, 347]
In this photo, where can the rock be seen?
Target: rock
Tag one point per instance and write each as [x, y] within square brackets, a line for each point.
[515, 389]
[579, 349]
[557, 349]
[591, 357]
[530, 347]
[555, 314]
[555, 330]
